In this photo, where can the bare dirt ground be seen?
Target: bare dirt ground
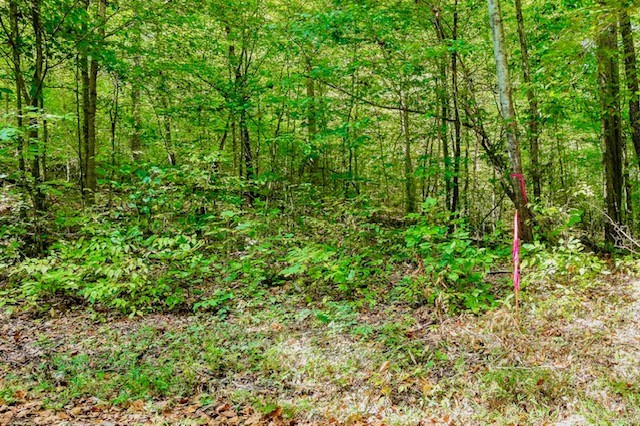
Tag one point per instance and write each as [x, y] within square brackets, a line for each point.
[572, 359]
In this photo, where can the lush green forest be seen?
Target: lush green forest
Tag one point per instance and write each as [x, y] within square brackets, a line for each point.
[279, 212]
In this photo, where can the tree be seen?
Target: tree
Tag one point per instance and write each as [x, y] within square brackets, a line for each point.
[508, 115]
[30, 94]
[631, 73]
[533, 131]
[612, 142]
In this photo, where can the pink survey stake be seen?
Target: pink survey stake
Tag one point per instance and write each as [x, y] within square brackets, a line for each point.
[516, 254]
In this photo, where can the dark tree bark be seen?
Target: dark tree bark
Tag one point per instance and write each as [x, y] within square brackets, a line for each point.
[239, 65]
[631, 73]
[89, 71]
[457, 140]
[443, 108]
[312, 126]
[17, 70]
[83, 63]
[30, 96]
[136, 143]
[409, 179]
[533, 131]
[36, 103]
[612, 143]
[114, 115]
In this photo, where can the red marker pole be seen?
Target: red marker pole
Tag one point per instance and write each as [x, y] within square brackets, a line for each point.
[516, 242]
[516, 260]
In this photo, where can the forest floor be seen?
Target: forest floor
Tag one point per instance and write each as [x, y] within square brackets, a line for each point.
[573, 359]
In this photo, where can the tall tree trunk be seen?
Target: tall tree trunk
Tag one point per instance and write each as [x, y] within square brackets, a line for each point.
[631, 73]
[239, 65]
[135, 143]
[246, 145]
[508, 115]
[533, 132]
[312, 127]
[474, 114]
[36, 101]
[410, 186]
[86, 111]
[612, 143]
[113, 119]
[168, 140]
[44, 144]
[457, 141]
[89, 69]
[79, 76]
[17, 70]
[443, 111]
[628, 216]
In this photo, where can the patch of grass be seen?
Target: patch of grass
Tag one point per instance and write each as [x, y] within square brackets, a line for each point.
[10, 389]
[529, 389]
[628, 390]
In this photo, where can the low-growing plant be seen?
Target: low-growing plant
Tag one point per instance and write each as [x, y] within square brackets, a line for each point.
[568, 260]
[449, 262]
[116, 267]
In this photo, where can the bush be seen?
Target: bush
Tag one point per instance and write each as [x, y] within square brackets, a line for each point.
[565, 261]
[451, 265]
[117, 267]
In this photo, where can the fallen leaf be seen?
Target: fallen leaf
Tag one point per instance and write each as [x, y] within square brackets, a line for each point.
[137, 406]
[223, 407]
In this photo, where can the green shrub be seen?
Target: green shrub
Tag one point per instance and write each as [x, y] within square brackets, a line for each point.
[567, 260]
[451, 266]
[117, 267]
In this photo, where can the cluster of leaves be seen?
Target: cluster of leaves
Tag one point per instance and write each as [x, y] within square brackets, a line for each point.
[116, 266]
[568, 260]
[453, 266]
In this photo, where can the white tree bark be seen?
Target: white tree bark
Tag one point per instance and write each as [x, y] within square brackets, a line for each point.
[508, 115]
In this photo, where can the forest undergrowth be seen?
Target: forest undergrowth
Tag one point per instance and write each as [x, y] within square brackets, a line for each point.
[150, 308]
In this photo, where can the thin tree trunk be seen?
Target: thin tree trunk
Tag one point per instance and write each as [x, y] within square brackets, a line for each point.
[508, 115]
[89, 68]
[533, 132]
[628, 189]
[135, 143]
[45, 142]
[171, 156]
[84, 71]
[457, 142]
[113, 118]
[443, 109]
[410, 196]
[631, 73]
[239, 65]
[312, 128]
[79, 122]
[17, 70]
[474, 115]
[35, 101]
